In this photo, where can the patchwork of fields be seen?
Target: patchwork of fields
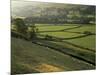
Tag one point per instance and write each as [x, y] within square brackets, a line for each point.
[71, 33]
[65, 47]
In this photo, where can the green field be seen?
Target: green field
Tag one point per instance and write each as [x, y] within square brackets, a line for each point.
[88, 42]
[91, 28]
[47, 56]
[28, 58]
[61, 34]
[47, 27]
[68, 35]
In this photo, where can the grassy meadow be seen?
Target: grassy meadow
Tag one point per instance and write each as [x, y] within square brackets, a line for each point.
[28, 57]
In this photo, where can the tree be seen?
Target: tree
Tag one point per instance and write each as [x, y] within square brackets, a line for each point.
[31, 32]
[20, 25]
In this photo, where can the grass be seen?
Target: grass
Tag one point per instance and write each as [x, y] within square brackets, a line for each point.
[88, 42]
[67, 48]
[47, 67]
[57, 24]
[53, 27]
[61, 34]
[91, 28]
[30, 58]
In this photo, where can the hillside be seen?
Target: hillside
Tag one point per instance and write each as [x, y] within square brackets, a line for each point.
[34, 8]
[28, 57]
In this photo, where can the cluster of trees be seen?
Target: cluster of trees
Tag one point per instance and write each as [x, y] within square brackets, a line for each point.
[23, 30]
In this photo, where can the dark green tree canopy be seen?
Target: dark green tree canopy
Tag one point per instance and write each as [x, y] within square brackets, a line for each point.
[20, 25]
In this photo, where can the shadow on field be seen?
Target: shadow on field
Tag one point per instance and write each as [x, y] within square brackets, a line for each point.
[81, 56]
[87, 56]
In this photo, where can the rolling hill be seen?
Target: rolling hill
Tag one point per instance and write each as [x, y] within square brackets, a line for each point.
[28, 57]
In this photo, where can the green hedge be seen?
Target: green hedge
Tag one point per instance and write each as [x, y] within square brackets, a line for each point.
[18, 35]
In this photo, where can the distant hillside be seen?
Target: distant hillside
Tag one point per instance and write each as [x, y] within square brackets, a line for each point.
[31, 8]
